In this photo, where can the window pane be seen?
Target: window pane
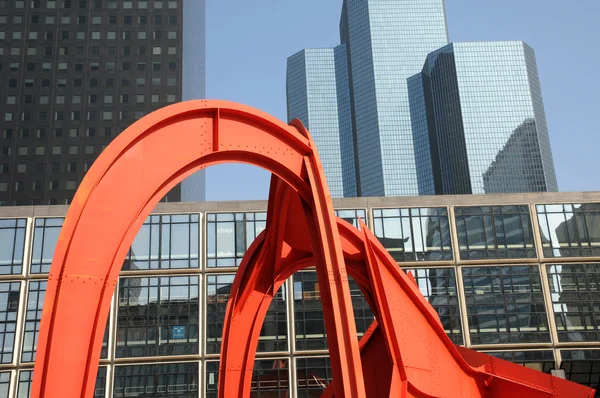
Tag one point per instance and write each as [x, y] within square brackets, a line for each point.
[33, 316]
[313, 375]
[270, 378]
[158, 316]
[582, 366]
[505, 305]
[229, 235]
[575, 293]
[4, 384]
[45, 236]
[414, 234]
[9, 307]
[570, 230]
[165, 242]
[179, 380]
[12, 245]
[24, 387]
[494, 232]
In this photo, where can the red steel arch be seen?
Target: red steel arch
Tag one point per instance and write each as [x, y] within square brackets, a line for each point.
[405, 353]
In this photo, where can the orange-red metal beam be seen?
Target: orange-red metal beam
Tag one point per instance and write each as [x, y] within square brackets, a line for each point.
[406, 354]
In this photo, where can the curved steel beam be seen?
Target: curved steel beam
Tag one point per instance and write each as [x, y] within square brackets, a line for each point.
[118, 193]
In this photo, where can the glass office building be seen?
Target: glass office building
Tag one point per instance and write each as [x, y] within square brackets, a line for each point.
[515, 276]
[478, 120]
[385, 43]
[318, 95]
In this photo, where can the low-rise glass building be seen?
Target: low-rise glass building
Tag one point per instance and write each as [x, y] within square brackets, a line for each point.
[516, 276]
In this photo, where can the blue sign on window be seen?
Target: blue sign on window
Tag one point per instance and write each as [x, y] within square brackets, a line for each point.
[178, 332]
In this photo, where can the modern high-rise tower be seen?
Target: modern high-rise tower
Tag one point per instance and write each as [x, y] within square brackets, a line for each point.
[478, 121]
[384, 43]
[75, 74]
[471, 120]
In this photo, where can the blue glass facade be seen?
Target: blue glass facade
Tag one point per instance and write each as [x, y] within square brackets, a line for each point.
[383, 43]
[515, 275]
[317, 92]
[388, 41]
[479, 122]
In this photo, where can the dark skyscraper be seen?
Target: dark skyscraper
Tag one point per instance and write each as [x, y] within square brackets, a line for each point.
[75, 74]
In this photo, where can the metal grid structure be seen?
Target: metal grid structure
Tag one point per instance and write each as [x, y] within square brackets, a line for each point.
[183, 362]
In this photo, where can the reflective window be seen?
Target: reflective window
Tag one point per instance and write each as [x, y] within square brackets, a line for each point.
[582, 366]
[100, 388]
[24, 387]
[438, 286]
[308, 311]
[494, 232]
[9, 307]
[313, 375]
[26, 378]
[352, 216]
[45, 236]
[570, 230]
[33, 316]
[4, 384]
[414, 234]
[178, 380]
[273, 336]
[12, 245]
[542, 361]
[165, 242]
[575, 293]
[157, 316]
[270, 378]
[505, 305]
[229, 235]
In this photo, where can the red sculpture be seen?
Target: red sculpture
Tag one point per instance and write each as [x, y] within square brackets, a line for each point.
[405, 353]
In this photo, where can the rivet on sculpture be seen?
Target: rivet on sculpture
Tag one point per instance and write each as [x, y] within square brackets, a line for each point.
[405, 352]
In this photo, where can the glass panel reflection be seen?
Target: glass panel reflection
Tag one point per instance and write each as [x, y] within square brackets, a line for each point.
[438, 286]
[352, 216]
[165, 242]
[45, 236]
[178, 380]
[12, 245]
[100, 388]
[24, 386]
[575, 293]
[4, 384]
[270, 378]
[494, 232]
[505, 305]
[33, 316]
[273, 335]
[9, 307]
[570, 230]
[313, 375]
[414, 234]
[582, 366]
[158, 316]
[228, 236]
[308, 311]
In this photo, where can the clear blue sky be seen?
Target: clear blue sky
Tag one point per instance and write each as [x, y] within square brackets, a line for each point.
[248, 43]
